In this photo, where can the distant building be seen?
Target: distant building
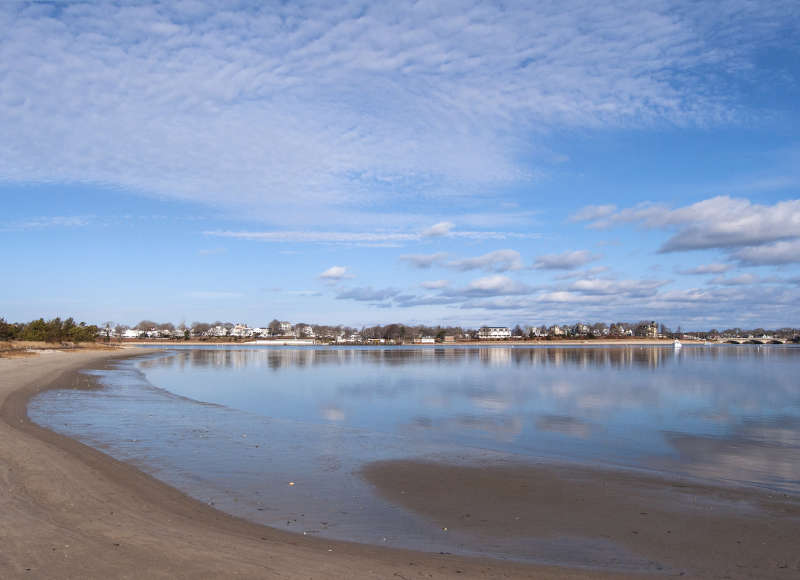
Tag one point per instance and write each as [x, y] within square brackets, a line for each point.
[131, 333]
[494, 332]
[305, 331]
[216, 331]
[647, 330]
[537, 331]
[241, 331]
[581, 329]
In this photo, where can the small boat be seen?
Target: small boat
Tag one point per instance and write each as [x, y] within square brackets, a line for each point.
[676, 343]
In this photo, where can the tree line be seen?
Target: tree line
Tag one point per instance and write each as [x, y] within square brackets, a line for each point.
[53, 330]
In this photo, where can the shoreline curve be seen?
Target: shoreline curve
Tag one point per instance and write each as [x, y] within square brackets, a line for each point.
[71, 511]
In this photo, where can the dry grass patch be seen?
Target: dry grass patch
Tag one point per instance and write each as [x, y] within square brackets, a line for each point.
[21, 348]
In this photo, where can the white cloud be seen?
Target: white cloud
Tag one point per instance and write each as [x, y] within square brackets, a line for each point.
[719, 222]
[588, 273]
[317, 237]
[435, 284]
[592, 213]
[564, 261]
[359, 238]
[423, 261]
[564, 297]
[316, 105]
[497, 261]
[409, 300]
[724, 222]
[714, 268]
[741, 280]
[439, 229]
[42, 222]
[335, 273]
[497, 285]
[617, 287]
[774, 254]
[368, 294]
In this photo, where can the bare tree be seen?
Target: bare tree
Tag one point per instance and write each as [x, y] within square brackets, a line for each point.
[199, 328]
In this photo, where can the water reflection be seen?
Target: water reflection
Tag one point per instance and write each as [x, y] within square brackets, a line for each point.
[582, 357]
[276, 358]
[626, 405]
[725, 412]
[763, 451]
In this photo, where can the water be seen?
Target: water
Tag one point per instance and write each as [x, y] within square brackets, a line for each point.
[234, 426]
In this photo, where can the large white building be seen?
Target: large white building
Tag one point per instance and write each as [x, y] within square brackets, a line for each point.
[494, 332]
[241, 330]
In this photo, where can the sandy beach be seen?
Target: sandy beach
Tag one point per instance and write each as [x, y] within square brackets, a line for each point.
[70, 511]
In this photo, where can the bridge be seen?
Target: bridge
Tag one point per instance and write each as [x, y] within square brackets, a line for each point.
[754, 340]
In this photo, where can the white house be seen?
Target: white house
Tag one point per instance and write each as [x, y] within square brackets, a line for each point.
[305, 331]
[131, 333]
[581, 329]
[285, 329]
[494, 332]
[241, 330]
[217, 331]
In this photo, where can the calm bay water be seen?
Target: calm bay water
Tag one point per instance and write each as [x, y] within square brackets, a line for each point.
[233, 426]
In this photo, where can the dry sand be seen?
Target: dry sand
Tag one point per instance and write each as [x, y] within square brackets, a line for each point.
[69, 511]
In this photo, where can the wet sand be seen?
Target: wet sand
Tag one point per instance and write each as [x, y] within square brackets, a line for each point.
[70, 511]
[681, 526]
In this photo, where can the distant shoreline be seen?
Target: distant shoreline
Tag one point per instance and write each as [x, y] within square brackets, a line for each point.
[533, 342]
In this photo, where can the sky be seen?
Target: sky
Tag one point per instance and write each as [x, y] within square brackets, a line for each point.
[486, 163]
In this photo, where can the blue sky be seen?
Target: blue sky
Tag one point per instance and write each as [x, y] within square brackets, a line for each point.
[441, 162]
